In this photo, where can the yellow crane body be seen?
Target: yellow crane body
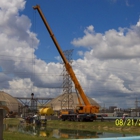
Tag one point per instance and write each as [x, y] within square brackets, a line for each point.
[87, 108]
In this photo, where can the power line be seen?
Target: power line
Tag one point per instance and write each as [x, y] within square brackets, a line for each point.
[26, 60]
[60, 75]
[119, 69]
[60, 87]
[34, 88]
[95, 66]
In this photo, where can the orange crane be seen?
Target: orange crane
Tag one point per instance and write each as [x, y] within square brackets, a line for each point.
[87, 108]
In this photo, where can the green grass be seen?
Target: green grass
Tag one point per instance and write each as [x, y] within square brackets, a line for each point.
[97, 126]
[19, 136]
[11, 121]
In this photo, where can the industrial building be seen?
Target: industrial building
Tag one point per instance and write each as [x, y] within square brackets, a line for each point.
[68, 101]
[8, 102]
[64, 101]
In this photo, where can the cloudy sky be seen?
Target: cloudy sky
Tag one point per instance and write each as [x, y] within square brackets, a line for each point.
[105, 37]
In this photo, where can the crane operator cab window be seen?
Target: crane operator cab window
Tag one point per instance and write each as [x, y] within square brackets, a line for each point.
[79, 109]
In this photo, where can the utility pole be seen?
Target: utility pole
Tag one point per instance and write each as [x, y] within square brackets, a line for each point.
[1, 124]
[136, 105]
[104, 107]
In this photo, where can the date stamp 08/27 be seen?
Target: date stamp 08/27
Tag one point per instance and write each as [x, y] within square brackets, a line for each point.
[127, 122]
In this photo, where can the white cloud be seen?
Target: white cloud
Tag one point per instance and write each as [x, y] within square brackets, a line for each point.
[113, 44]
[111, 64]
[58, 58]
[108, 71]
[90, 29]
[80, 53]
[90, 39]
[21, 70]
[138, 23]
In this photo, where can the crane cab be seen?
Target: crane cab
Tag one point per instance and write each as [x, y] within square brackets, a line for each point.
[80, 109]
